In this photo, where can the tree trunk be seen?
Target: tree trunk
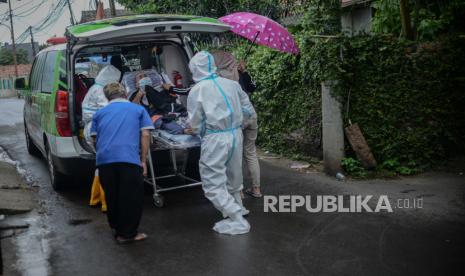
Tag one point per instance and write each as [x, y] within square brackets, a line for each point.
[405, 19]
[416, 19]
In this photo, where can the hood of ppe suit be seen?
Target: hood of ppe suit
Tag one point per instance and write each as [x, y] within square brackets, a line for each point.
[202, 65]
[107, 75]
[214, 106]
[226, 65]
[95, 98]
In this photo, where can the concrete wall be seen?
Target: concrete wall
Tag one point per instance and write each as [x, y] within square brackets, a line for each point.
[6, 88]
[356, 19]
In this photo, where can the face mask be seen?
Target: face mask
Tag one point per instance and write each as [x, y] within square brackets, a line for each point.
[145, 82]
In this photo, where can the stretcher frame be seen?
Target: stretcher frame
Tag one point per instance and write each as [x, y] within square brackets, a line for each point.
[177, 172]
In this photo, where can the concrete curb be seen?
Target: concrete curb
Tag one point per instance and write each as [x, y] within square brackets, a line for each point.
[16, 196]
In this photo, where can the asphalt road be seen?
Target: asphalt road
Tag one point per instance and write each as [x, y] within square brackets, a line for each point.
[74, 239]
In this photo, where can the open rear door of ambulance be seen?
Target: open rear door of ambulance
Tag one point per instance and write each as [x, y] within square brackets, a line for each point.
[141, 27]
[133, 29]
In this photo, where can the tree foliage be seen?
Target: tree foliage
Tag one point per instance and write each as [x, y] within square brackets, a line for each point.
[211, 8]
[322, 17]
[6, 56]
[406, 96]
[288, 106]
[429, 18]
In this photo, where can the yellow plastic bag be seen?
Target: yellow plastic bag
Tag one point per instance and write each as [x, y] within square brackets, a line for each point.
[97, 195]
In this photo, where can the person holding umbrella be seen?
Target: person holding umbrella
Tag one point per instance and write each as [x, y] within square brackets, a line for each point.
[263, 31]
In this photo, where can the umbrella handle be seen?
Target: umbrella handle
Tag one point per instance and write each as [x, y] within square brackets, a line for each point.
[250, 46]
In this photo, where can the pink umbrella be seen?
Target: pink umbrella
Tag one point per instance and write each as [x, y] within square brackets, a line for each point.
[261, 30]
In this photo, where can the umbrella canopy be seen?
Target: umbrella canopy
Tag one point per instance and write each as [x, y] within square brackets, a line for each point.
[262, 31]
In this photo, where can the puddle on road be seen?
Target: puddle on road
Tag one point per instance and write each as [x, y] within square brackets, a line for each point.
[33, 249]
[75, 222]
[5, 157]
[407, 191]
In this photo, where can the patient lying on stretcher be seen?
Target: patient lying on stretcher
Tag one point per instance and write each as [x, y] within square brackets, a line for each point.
[160, 100]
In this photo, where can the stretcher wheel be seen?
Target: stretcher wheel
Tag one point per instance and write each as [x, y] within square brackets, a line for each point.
[158, 200]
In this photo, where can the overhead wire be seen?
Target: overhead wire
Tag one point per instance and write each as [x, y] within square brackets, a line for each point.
[47, 22]
[30, 11]
[7, 13]
[52, 17]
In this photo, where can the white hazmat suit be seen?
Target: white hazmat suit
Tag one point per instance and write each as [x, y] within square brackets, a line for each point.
[95, 98]
[215, 113]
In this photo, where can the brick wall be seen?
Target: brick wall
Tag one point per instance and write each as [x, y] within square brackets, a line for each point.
[9, 70]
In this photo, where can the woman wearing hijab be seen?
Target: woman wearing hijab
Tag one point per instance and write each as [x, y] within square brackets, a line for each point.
[228, 68]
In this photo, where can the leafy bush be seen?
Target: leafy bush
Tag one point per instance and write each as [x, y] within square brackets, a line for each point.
[285, 103]
[407, 98]
[353, 167]
[288, 100]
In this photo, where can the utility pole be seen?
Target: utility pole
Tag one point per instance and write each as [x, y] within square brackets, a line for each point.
[71, 13]
[13, 39]
[32, 42]
[112, 8]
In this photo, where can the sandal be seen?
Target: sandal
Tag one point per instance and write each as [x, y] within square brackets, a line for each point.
[137, 238]
[252, 193]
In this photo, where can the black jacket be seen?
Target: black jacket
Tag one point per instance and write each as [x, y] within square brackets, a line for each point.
[246, 82]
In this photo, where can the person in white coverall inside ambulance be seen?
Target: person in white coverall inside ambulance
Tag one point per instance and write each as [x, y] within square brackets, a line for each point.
[216, 114]
[93, 101]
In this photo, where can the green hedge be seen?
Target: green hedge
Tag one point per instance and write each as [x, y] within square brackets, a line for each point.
[408, 98]
[288, 106]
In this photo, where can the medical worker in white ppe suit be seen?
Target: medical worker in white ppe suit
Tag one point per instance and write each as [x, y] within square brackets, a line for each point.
[95, 99]
[216, 114]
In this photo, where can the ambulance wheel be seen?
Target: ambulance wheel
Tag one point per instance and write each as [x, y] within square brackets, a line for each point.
[32, 149]
[57, 179]
[159, 201]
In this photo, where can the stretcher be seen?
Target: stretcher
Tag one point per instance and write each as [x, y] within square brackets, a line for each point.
[162, 140]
